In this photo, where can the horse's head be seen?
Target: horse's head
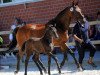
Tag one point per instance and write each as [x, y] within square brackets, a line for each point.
[63, 19]
[52, 31]
[76, 12]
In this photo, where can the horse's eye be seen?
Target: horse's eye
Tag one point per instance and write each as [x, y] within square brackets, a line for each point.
[55, 25]
[71, 9]
[51, 26]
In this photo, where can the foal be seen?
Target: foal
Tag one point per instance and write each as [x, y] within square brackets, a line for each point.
[43, 45]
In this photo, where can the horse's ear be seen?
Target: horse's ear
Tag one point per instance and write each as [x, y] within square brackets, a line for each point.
[55, 25]
[73, 3]
[77, 3]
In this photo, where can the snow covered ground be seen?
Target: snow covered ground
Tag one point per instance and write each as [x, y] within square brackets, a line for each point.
[68, 69]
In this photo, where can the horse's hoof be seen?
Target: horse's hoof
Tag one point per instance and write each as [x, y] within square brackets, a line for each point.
[15, 72]
[25, 73]
[49, 73]
[59, 72]
[42, 74]
[81, 69]
[45, 71]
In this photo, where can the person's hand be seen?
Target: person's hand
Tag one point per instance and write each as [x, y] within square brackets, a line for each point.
[81, 40]
[84, 44]
[78, 39]
[71, 35]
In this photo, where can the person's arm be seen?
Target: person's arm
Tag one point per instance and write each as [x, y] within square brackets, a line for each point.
[86, 27]
[77, 39]
[67, 36]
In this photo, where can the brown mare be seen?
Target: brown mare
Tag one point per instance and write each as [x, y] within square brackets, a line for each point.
[36, 47]
[62, 21]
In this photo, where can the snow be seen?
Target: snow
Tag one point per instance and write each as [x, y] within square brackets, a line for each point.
[68, 69]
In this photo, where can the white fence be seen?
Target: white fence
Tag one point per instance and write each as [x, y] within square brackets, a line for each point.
[71, 25]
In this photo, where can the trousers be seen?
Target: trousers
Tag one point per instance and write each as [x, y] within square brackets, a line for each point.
[82, 48]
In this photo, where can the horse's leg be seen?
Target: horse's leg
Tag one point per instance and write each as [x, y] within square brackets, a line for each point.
[19, 56]
[73, 55]
[49, 63]
[55, 58]
[64, 59]
[23, 59]
[65, 51]
[26, 63]
[18, 63]
[41, 64]
[35, 60]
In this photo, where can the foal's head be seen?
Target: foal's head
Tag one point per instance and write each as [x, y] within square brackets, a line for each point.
[75, 12]
[51, 31]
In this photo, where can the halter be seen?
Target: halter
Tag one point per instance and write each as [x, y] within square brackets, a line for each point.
[78, 10]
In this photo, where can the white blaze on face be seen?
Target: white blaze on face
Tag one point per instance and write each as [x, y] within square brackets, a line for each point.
[79, 10]
[52, 46]
[55, 30]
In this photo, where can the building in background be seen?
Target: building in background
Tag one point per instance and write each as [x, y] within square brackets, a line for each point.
[39, 11]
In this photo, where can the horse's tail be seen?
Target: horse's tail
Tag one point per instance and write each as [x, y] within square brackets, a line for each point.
[13, 43]
[52, 21]
[23, 46]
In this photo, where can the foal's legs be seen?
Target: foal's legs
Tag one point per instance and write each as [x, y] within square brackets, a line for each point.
[58, 66]
[49, 63]
[35, 59]
[41, 64]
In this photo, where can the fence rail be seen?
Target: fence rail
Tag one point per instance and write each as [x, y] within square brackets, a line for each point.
[94, 42]
[71, 25]
[69, 44]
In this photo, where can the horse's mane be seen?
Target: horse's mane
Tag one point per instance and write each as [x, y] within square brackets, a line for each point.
[57, 20]
[47, 37]
[62, 13]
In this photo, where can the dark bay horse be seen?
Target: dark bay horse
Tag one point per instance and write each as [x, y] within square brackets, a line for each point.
[43, 45]
[62, 21]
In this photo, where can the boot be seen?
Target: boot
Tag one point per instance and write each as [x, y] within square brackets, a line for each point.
[90, 62]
